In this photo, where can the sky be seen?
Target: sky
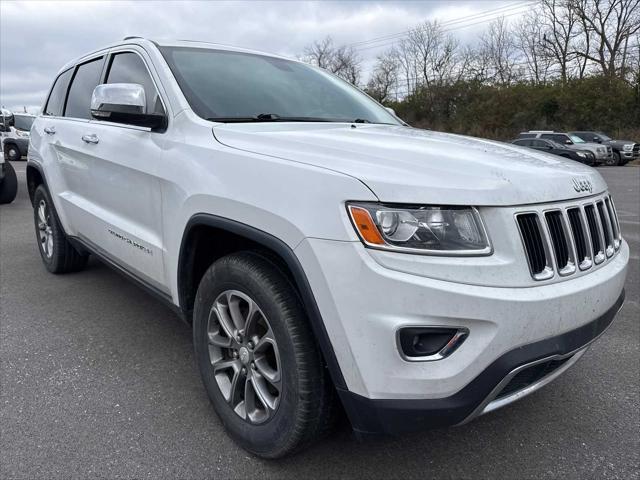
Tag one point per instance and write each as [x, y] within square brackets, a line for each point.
[38, 37]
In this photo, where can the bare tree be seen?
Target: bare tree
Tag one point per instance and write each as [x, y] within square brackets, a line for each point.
[342, 61]
[384, 77]
[608, 25]
[498, 47]
[434, 52]
[529, 37]
[560, 25]
[320, 53]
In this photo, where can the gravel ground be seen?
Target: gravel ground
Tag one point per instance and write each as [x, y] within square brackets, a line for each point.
[97, 380]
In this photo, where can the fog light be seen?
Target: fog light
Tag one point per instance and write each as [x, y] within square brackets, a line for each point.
[430, 343]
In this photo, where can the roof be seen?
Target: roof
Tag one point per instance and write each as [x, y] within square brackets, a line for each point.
[145, 42]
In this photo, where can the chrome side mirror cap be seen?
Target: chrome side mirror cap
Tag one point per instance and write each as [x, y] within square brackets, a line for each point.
[124, 103]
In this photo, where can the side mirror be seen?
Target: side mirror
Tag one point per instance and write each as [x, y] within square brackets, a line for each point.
[391, 111]
[568, 142]
[597, 139]
[124, 103]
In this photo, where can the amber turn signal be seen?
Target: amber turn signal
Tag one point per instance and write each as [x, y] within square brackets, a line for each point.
[365, 226]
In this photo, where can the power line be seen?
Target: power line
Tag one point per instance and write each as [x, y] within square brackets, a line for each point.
[445, 30]
[449, 22]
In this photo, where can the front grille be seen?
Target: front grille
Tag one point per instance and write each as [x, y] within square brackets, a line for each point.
[533, 242]
[531, 375]
[564, 240]
[609, 150]
[555, 224]
[579, 234]
[636, 150]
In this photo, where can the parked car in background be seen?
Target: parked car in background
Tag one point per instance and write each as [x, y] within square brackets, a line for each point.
[623, 150]
[602, 153]
[15, 135]
[549, 146]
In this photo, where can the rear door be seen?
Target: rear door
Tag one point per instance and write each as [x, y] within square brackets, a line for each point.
[119, 209]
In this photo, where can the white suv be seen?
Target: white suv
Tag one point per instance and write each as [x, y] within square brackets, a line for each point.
[326, 253]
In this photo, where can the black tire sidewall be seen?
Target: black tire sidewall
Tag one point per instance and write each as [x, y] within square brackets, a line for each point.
[269, 437]
[8, 185]
[615, 160]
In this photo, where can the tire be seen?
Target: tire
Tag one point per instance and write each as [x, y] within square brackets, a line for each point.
[8, 185]
[58, 255]
[12, 152]
[302, 400]
[613, 161]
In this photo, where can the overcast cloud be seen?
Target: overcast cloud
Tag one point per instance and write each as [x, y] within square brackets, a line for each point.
[38, 38]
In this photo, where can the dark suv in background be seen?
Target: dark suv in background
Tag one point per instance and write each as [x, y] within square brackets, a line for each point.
[623, 150]
[603, 153]
[549, 146]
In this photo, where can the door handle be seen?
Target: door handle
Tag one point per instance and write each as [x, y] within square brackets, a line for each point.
[49, 130]
[93, 138]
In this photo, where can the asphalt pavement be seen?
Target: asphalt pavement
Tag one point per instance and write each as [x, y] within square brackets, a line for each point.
[97, 380]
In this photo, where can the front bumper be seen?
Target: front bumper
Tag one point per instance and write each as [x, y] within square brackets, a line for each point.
[364, 303]
[482, 395]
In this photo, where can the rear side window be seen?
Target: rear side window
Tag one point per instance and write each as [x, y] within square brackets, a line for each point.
[84, 81]
[523, 143]
[539, 143]
[130, 68]
[55, 103]
[555, 137]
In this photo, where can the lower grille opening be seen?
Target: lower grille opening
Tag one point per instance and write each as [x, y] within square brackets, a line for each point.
[531, 375]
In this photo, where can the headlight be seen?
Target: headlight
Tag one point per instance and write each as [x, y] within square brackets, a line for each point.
[628, 147]
[581, 154]
[20, 133]
[429, 230]
[602, 149]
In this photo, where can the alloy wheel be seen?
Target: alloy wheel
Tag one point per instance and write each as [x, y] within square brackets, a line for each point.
[44, 229]
[244, 356]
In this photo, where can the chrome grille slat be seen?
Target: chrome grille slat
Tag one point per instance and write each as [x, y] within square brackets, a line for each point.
[571, 238]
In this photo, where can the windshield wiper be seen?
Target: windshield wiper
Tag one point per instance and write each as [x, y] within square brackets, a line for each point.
[361, 120]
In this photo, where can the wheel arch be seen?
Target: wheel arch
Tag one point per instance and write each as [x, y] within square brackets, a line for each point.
[35, 177]
[208, 237]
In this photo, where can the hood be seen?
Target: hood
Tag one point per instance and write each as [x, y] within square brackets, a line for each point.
[620, 143]
[407, 165]
[586, 146]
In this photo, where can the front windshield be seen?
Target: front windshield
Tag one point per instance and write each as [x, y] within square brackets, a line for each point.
[23, 122]
[576, 139]
[231, 86]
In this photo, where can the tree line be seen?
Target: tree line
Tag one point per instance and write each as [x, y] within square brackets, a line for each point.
[564, 64]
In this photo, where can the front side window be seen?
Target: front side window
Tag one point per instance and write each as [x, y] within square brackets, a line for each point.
[231, 86]
[84, 81]
[55, 104]
[129, 68]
